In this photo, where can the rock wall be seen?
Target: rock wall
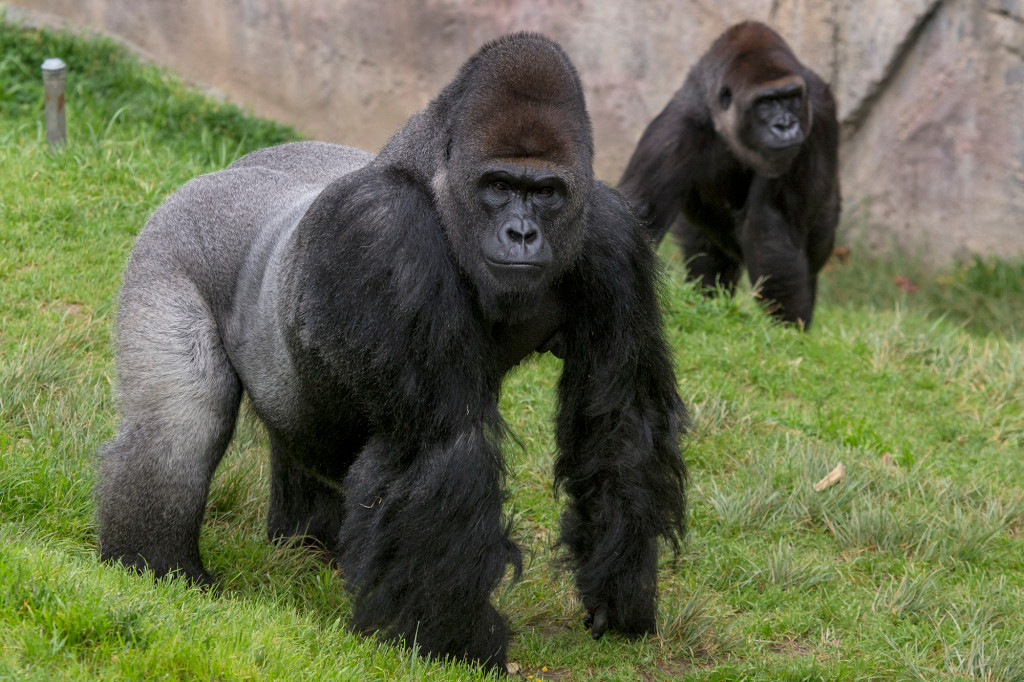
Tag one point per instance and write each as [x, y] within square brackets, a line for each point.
[930, 92]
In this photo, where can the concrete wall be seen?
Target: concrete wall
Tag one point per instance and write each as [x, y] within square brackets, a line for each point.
[930, 92]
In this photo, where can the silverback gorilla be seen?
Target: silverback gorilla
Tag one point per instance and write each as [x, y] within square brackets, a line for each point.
[747, 151]
[370, 307]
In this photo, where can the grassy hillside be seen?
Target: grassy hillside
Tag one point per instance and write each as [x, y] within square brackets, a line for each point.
[910, 567]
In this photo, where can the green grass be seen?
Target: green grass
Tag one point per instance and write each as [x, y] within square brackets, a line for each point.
[910, 568]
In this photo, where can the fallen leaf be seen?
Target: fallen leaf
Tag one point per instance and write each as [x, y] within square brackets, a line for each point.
[833, 477]
[904, 283]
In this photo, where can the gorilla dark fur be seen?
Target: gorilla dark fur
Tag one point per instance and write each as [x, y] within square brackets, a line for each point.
[747, 151]
[370, 307]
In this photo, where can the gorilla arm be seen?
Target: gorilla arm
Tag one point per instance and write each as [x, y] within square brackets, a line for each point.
[618, 426]
[773, 252]
[660, 168]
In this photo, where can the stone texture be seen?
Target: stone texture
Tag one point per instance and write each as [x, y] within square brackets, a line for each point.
[937, 159]
[930, 92]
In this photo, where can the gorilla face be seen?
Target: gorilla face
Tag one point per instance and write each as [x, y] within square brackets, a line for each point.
[514, 230]
[764, 126]
[512, 200]
[522, 205]
[776, 123]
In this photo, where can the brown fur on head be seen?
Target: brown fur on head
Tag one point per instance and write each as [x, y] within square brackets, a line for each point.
[522, 98]
[748, 64]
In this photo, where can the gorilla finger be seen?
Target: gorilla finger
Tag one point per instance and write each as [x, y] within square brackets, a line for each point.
[600, 623]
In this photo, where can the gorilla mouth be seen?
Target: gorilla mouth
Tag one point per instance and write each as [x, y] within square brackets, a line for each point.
[516, 265]
[777, 146]
[515, 275]
[782, 153]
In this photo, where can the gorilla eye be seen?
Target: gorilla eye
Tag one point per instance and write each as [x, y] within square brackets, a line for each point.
[545, 191]
[725, 96]
[499, 186]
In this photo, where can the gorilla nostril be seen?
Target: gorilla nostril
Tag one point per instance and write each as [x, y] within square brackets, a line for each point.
[514, 235]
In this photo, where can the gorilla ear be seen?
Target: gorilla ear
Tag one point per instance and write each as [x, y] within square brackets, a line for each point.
[725, 96]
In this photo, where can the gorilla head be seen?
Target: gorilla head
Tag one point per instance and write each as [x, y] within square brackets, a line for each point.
[514, 175]
[757, 97]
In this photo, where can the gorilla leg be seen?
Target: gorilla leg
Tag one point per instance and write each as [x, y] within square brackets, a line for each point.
[423, 545]
[304, 503]
[179, 398]
[706, 262]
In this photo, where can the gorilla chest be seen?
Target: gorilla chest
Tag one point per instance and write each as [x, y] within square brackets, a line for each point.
[718, 199]
[724, 188]
[539, 332]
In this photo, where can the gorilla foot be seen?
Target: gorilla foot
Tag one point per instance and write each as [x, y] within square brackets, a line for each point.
[601, 619]
[193, 573]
